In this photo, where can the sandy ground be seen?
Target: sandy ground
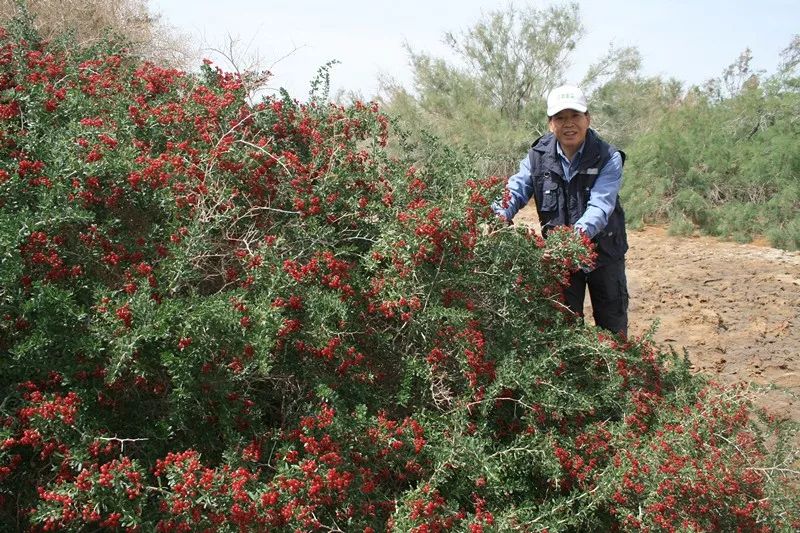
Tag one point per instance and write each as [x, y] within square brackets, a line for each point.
[734, 308]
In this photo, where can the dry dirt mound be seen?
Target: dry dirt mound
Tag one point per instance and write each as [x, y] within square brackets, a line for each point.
[734, 308]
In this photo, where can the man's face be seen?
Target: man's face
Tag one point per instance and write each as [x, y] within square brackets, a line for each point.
[569, 127]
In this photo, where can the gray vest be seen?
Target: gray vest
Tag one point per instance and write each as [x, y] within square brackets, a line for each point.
[560, 203]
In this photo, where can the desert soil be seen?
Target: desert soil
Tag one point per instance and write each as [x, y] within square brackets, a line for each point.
[734, 309]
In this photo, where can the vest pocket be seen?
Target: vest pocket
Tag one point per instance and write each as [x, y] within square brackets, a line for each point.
[549, 196]
[613, 241]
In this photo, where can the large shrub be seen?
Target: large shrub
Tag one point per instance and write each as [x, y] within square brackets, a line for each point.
[219, 315]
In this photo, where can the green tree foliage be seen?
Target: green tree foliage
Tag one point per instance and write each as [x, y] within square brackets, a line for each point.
[725, 158]
[515, 56]
[491, 99]
[626, 106]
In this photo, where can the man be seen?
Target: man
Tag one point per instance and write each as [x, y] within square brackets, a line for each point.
[574, 177]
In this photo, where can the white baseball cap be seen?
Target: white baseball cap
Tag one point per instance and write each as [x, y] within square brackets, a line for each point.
[566, 97]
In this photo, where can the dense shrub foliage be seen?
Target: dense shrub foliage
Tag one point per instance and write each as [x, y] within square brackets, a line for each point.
[728, 167]
[231, 316]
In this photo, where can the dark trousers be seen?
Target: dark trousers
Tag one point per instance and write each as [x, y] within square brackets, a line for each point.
[608, 289]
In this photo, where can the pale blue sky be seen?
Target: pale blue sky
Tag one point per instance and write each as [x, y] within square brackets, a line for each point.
[689, 40]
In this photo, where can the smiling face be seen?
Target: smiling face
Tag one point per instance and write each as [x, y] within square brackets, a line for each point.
[570, 127]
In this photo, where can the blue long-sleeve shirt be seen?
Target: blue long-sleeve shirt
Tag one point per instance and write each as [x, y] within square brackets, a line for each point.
[602, 198]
